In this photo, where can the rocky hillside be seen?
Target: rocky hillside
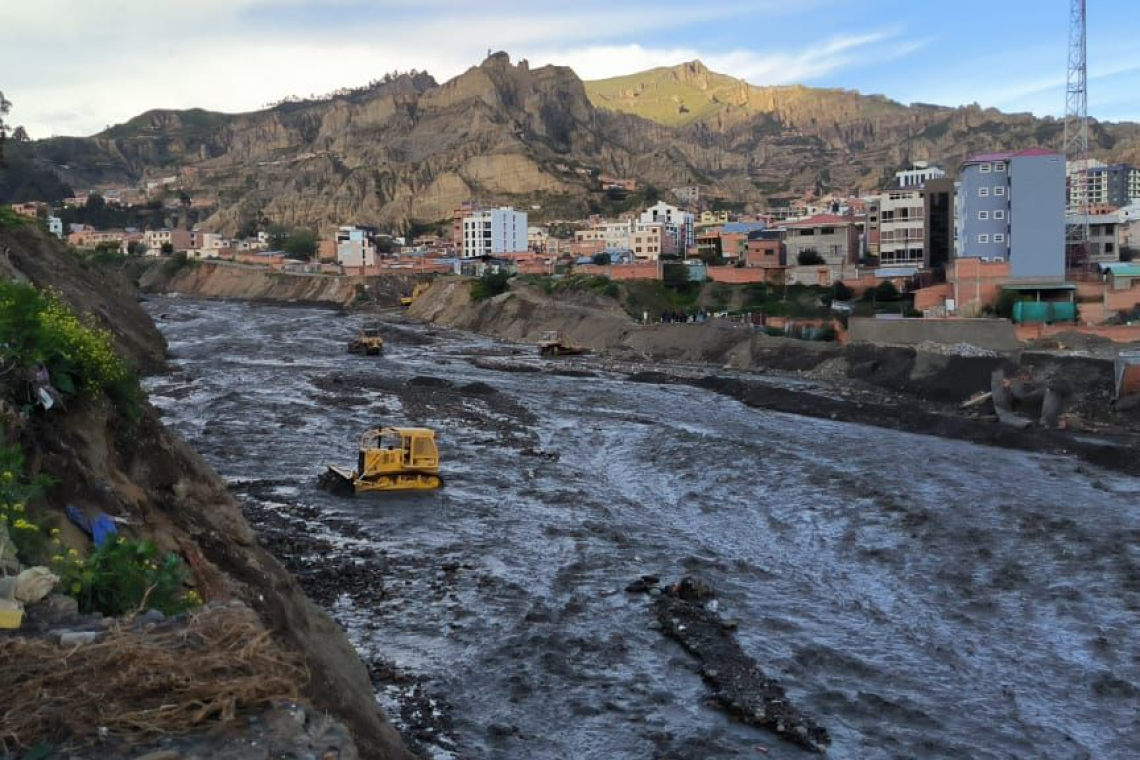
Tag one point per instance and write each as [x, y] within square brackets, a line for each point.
[132, 468]
[407, 151]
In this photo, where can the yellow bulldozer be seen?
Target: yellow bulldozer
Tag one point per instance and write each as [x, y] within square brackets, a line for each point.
[554, 343]
[390, 459]
[369, 342]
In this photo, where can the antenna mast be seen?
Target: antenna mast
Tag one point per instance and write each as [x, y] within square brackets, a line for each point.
[1077, 140]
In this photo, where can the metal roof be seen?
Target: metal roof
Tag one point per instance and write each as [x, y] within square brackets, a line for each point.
[1132, 270]
[1039, 286]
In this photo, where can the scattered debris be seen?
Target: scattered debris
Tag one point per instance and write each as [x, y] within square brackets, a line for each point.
[738, 683]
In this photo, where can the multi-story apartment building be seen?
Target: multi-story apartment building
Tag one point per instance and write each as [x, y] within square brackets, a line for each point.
[834, 238]
[899, 219]
[680, 224]
[1011, 205]
[1104, 235]
[355, 246]
[493, 232]
[649, 241]
[1099, 184]
[918, 175]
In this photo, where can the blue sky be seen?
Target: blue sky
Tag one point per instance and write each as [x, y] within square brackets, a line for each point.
[77, 66]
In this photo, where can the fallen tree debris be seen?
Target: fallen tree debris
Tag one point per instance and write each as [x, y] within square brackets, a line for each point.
[737, 681]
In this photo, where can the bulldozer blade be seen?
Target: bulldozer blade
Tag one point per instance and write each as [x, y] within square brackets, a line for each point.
[337, 481]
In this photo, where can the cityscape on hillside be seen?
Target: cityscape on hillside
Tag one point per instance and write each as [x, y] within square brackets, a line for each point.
[952, 242]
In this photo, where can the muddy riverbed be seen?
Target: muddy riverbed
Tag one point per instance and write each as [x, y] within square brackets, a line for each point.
[917, 597]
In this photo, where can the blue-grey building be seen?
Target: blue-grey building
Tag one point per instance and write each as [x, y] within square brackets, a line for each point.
[1011, 207]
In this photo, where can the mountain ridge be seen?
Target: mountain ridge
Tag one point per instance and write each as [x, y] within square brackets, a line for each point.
[406, 151]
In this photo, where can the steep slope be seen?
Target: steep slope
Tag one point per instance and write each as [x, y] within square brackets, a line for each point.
[139, 471]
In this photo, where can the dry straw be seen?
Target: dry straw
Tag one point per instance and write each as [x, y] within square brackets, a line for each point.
[133, 684]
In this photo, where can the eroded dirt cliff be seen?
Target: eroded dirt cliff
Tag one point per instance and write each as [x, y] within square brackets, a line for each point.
[137, 470]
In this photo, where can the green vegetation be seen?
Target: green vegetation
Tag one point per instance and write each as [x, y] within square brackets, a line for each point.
[575, 283]
[490, 285]
[102, 215]
[5, 104]
[9, 218]
[123, 576]
[298, 242]
[36, 328]
[663, 97]
[17, 492]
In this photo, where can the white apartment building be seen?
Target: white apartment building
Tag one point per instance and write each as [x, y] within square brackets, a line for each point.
[355, 247]
[680, 225]
[901, 226]
[918, 175]
[494, 231]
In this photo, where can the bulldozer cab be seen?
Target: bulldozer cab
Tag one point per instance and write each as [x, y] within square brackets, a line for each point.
[392, 449]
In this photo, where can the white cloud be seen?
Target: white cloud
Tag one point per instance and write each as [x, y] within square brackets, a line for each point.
[760, 68]
[74, 67]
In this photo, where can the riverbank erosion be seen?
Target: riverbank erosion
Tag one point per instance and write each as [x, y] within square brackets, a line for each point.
[104, 459]
[220, 279]
[917, 389]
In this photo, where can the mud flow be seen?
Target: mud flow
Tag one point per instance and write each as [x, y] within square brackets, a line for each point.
[917, 597]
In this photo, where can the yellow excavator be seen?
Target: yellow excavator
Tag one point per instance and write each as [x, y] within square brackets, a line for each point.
[417, 291]
[390, 459]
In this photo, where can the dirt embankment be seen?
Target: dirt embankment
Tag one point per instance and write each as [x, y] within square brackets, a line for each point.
[887, 386]
[525, 312]
[210, 279]
[142, 473]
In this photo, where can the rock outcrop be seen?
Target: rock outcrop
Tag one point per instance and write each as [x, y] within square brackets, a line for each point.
[409, 150]
[138, 470]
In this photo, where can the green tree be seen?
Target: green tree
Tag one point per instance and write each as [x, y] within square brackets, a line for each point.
[840, 292]
[602, 259]
[167, 249]
[136, 248]
[5, 104]
[278, 236]
[301, 244]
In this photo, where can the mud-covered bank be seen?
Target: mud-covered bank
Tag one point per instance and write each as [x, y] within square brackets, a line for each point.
[134, 469]
[886, 386]
[217, 279]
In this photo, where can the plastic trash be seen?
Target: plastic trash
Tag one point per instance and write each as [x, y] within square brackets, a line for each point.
[100, 529]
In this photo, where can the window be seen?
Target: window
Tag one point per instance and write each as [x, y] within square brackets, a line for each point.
[983, 215]
[999, 166]
[985, 168]
[983, 192]
[999, 190]
[999, 237]
[999, 214]
[983, 238]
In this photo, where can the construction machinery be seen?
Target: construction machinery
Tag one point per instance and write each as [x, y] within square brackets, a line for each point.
[417, 291]
[390, 459]
[554, 343]
[369, 342]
